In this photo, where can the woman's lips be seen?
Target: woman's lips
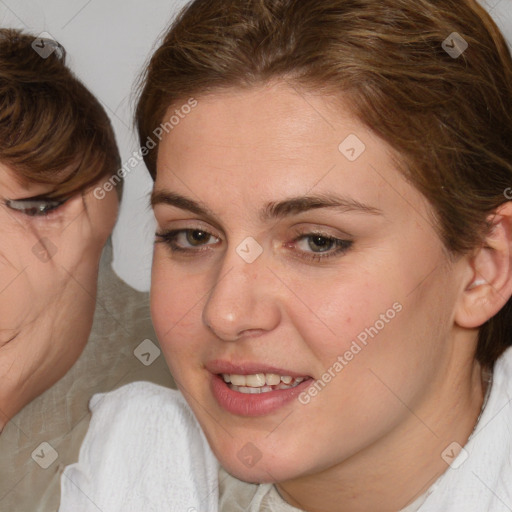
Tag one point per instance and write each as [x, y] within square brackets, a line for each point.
[257, 404]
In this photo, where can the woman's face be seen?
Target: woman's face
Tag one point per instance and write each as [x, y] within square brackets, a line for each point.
[291, 252]
[49, 260]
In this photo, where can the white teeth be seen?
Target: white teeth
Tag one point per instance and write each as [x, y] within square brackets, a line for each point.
[255, 381]
[272, 379]
[251, 391]
[260, 382]
[237, 380]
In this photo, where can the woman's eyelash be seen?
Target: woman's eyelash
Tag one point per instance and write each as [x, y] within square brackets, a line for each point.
[340, 246]
[34, 207]
[170, 237]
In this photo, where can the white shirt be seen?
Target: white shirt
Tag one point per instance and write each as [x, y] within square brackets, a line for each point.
[144, 452]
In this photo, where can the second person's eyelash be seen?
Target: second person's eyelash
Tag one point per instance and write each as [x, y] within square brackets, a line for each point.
[34, 207]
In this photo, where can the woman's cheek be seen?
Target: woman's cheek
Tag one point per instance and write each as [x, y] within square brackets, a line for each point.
[175, 310]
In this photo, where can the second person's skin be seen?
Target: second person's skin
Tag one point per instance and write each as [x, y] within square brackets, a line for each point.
[49, 264]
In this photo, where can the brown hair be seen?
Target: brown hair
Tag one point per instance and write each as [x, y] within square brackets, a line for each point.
[52, 129]
[448, 119]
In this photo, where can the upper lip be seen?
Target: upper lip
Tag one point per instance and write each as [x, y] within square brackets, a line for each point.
[248, 368]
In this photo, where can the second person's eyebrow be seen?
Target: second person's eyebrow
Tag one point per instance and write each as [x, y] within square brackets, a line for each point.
[273, 210]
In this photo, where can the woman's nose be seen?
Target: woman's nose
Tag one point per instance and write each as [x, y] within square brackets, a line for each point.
[243, 300]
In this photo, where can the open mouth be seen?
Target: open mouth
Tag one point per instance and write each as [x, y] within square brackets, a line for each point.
[255, 394]
[261, 382]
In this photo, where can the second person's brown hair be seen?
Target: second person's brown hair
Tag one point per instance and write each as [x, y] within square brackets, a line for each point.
[52, 129]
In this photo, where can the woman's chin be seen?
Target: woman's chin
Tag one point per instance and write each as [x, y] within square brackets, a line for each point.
[249, 466]
[252, 475]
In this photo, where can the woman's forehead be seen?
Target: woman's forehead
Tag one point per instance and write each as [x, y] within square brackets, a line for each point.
[279, 143]
[277, 115]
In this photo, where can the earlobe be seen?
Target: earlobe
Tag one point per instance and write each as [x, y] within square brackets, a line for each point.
[489, 285]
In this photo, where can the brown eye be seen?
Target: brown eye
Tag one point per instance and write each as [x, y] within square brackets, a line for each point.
[196, 237]
[187, 240]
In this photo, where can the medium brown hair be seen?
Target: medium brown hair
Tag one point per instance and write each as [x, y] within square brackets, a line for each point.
[449, 120]
[52, 129]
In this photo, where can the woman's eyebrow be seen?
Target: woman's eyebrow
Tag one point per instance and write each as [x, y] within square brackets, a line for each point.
[296, 205]
[184, 203]
[273, 210]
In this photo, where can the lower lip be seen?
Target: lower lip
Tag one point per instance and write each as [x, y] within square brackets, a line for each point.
[244, 404]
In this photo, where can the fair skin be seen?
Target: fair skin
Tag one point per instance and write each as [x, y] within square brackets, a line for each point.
[372, 438]
[47, 303]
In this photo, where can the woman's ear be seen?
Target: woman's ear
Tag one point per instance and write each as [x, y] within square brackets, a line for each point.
[489, 284]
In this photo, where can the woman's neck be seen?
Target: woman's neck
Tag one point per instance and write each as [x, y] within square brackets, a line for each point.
[399, 467]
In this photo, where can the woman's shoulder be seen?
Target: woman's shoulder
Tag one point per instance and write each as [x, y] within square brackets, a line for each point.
[139, 397]
[145, 416]
[503, 366]
[137, 392]
[140, 406]
[143, 447]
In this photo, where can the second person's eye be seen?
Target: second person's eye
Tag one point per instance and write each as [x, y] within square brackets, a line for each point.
[34, 207]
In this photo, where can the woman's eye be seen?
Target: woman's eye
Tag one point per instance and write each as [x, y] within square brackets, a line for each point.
[317, 243]
[319, 247]
[186, 239]
[312, 246]
[34, 207]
